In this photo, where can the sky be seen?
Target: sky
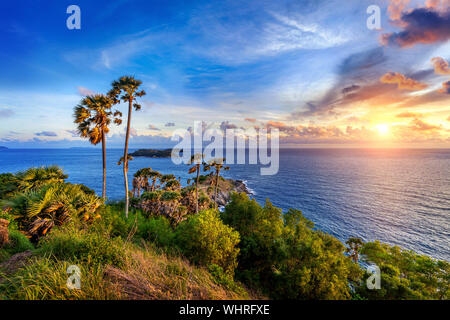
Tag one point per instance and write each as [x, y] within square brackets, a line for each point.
[312, 69]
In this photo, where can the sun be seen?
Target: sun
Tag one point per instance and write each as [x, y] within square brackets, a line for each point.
[383, 129]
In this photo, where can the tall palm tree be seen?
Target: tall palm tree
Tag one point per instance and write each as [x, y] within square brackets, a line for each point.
[127, 89]
[93, 116]
[217, 164]
[197, 160]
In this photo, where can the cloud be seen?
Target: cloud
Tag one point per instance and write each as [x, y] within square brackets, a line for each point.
[408, 114]
[152, 127]
[357, 62]
[133, 132]
[170, 124]
[250, 119]
[227, 125]
[421, 25]
[46, 134]
[419, 125]
[351, 88]
[6, 113]
[402, 81]
[74, 133]
[82, 91]
[440, 66]
[445, 87]
[396, 8]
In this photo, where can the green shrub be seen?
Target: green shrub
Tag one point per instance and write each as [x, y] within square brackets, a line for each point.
[9, 184]
[38, 211]
[284, 256]
[157, 230]
[74, 245]
[18, 242]
[224, 279]
[405, 274]
[206, 240]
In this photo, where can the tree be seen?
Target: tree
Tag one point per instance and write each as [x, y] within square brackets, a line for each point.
[197, 159]
[405, 274]
[38, 211]
[141, 179]
[93, 116]
[354, 246]
[127, 89]
[154, 175]
[206, 240]
[217, 164]
[35, 178]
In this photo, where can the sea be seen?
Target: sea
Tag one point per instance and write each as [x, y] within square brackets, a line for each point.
[397, 196]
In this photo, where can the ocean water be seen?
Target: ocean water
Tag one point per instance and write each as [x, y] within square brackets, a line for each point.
[397, 196]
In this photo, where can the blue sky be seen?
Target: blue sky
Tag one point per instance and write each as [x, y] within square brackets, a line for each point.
[274, 63]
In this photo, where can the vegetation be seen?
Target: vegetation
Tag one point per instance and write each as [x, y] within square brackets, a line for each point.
[217, 165]
[93, 116]
[165, 250]
[127, 89]
[405, 274]
[174, 243]
[152, 153]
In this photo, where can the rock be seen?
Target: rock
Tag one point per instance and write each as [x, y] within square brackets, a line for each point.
[4, 233]
[16, 262]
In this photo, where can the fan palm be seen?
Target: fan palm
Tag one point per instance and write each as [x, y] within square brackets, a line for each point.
[35, 178]
[197, 159]
[93, 116]
[38, 211]
[216, 164]
[127, 89]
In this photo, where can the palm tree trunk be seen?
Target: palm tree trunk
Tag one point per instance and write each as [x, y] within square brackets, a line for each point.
[104, 164]
[125, 157]
[217, 186]
[196, 190]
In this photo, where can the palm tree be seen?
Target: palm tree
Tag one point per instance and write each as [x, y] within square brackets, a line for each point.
[197, 159]
[141, 176]
[127, 89]
[35, 178]
[154, 175]
[218, 165]
[93, 116]
[355, 245]
[38, 211]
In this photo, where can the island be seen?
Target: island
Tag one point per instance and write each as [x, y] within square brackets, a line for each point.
[152, 153]
[3, 148]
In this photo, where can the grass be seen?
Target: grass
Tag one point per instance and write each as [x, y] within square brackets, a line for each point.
[116, 262]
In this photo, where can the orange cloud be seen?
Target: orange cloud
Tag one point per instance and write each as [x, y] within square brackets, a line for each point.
[422, 25]
[250, 119]
[419, 125]
[408, 114]
[276, 124]
[396, 8]
[439, 5]
[402, 81]
[445, 87]
[440, 66]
